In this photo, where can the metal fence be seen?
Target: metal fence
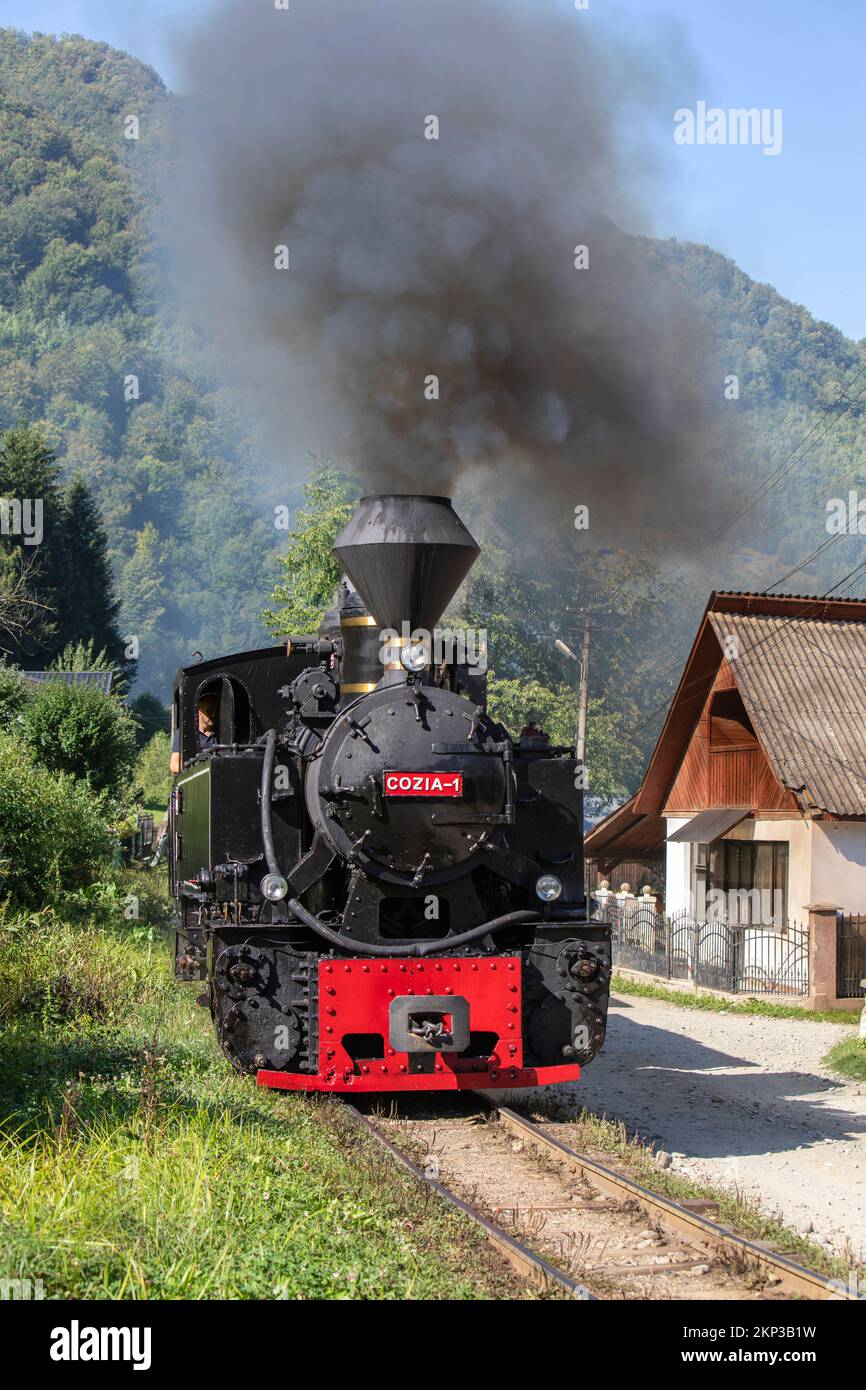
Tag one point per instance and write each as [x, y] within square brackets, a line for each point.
[850, 956]
[772, 960]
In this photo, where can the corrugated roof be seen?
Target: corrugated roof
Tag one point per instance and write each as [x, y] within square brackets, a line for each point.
[101, 679]
[624, 833]
[803, 682]
[808, 598]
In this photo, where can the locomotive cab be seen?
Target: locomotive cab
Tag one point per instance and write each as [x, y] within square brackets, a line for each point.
[381, 887]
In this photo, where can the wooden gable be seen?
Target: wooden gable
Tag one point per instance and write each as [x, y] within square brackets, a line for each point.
[720, 769]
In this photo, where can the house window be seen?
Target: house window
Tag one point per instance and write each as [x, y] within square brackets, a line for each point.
[753, 877]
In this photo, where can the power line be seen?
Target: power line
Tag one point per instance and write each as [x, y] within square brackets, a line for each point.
[776, 632]
[781, 472]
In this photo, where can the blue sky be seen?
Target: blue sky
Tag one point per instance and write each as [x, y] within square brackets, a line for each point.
[796, 220]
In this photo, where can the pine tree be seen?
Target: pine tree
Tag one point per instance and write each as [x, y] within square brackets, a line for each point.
[88, 606]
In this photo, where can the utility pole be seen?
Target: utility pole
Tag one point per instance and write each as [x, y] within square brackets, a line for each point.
[584, 687]
[584, 695]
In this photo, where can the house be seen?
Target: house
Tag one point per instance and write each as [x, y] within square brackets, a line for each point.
[755, 794]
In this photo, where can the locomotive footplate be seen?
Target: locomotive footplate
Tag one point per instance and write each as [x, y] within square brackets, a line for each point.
[435, 1024]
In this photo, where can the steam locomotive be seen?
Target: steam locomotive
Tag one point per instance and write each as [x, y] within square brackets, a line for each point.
[380, 886]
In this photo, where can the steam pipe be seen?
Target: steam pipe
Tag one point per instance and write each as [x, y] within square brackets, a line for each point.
[265, 802]
[417, 948]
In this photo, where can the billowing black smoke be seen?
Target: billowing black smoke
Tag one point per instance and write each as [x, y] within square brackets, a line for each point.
[432, 320]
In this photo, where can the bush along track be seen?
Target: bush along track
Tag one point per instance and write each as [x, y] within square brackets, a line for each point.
[136, 1164]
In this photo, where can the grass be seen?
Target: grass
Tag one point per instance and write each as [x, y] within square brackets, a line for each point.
[848, 1059]
[134, 1163]
[710, 1003]
[603, 1139]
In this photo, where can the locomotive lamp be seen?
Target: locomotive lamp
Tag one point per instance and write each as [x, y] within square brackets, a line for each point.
[415, 657]
[274, 887]
[548, 888]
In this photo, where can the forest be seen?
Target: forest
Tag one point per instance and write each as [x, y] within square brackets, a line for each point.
[115, 397]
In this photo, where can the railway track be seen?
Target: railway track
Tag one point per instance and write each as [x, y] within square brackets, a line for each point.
[573, 1226]
[527, 1262]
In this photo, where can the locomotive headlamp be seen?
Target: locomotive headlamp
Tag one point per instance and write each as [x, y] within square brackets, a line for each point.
[274, 887]
[548, 888]
[414, 656]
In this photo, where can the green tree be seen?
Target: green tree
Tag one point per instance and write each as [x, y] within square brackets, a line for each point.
[78, 730]
[151, 716]
[610, 753]
[88, 608]
[143, 586]
[54, 835]
[83, 656]
[309, 574]
[152, 773]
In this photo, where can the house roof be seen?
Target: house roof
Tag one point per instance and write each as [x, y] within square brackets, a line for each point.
[625, 835]
[803, 682]
[101, 679]
[798, 661]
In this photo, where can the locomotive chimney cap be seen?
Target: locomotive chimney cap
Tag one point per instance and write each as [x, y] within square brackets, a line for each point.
[406, 554]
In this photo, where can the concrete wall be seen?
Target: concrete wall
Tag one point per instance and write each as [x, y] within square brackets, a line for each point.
[677, 870]
[839, 864]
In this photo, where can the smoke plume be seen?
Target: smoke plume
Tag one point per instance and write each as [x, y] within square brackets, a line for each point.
[413, 258]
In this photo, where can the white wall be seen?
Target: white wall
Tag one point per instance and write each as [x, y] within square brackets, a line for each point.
[677, 870]
[839, 864]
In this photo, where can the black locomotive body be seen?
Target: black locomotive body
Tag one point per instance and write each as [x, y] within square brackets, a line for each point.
[382, 889]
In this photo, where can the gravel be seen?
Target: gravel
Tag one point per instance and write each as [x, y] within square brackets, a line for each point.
[740, 1103]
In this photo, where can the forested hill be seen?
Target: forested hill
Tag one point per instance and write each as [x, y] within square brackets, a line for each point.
[191, 538]
[171, 468]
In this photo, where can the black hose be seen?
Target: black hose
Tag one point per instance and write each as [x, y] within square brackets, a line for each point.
[265, 799]
[417, 948]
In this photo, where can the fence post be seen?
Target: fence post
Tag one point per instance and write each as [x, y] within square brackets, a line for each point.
[823, 919]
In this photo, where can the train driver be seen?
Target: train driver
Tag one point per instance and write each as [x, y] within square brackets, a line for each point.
[208, 708]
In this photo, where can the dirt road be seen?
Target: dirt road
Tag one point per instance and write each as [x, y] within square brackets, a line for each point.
[741, 1102]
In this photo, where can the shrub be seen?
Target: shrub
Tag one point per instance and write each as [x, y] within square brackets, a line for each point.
[152, 772]
[53, 833]
[16, 691]
[79, 730]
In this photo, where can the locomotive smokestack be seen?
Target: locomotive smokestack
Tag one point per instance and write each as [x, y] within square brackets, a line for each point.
[406, 556]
